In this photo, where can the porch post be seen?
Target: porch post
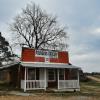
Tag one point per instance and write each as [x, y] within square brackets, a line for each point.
[25, 81]
[45, 78]
[64, 79]
[78, 77]
[64, 73]
[58, 77]
[19, 77]
[27, 74]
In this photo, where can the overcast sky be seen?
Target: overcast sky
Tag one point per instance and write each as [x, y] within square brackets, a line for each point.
[82, 17]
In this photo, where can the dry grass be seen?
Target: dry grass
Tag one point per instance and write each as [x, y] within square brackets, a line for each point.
[94, 78]
[48, 97]
[91, 87]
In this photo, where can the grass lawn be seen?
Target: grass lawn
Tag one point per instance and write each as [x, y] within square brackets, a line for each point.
[90, 87]
[90, 90]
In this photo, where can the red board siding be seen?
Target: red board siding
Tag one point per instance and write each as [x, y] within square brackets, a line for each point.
[39, 59]
[28, 55]
[62, 58]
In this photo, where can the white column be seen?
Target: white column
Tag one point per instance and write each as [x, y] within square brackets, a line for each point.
[78, 77]
[58, 77]
[27, 74]
[64, 79]
[45, 78]
[35, 74]
[64, 73]
[25, 81]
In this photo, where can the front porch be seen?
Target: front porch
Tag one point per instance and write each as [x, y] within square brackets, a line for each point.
[56, 78]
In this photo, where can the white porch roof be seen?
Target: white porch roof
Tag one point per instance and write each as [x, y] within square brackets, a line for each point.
[47, 65]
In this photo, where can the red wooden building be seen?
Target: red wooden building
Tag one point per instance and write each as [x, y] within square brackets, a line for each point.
[43, 69]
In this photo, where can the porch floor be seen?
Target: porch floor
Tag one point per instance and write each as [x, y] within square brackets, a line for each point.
[62, 90]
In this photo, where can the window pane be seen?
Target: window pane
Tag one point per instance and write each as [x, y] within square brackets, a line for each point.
[37, 74]
[51, 74]
[31, 74]
[61, 74]
[73, 74]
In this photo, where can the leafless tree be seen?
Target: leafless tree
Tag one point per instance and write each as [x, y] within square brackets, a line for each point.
[34, 28]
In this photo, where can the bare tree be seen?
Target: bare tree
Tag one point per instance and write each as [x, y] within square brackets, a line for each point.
[34, 28]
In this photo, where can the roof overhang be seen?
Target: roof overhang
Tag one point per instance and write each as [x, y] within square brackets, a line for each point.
[9, 65]
[47, 65]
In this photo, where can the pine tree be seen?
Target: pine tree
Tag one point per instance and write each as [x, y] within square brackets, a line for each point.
[5, 53]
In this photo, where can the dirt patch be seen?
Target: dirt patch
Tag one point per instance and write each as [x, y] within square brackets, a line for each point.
[94, 78]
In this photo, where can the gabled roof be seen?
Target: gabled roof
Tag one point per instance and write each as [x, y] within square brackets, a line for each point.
[47, 65]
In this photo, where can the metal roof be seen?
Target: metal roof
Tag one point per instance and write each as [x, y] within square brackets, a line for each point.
[47, 65]
[9, 65]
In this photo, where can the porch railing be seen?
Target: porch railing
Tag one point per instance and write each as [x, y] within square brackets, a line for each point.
[67, 84]
[33, 84]
[40, 84]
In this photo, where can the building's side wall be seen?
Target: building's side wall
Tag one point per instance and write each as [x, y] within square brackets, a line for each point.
[14, 76]
[22, 73]
[10, 75]
[5, 76]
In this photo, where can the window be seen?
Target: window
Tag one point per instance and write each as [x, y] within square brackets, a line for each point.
[37, 74]
[74, 74]
[51, 74]
[61, 74]
[33, 74]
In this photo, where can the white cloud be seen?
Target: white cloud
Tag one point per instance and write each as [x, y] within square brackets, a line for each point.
[91, 30]
[89, 61]
[96, 31]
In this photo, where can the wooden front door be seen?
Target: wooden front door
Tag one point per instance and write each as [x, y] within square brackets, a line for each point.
[52, 78]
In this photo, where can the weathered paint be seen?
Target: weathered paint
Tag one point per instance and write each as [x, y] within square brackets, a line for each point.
[28, 55]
